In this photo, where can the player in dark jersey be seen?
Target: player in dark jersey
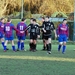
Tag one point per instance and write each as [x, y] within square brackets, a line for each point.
[8, 29]
[21, 35]
[34, 34]
[44, 42]
[48, 27]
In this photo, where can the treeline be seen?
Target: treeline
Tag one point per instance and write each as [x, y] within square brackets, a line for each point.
[46, 7]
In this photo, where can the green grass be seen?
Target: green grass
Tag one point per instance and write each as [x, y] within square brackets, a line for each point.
[37, 63]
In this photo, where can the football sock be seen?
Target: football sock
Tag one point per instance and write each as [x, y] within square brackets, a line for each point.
[50, 47]
[13, 47]
[59, 47]
[4, 47]
[35, 46]
[22, 45]
[64, 48]
[47, 47]
[18, 44]
[30, 45]
[3, 44]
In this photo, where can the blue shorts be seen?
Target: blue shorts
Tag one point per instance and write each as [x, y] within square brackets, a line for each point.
[9, 38]
[21, 37]
[62, 38]
[1, 35]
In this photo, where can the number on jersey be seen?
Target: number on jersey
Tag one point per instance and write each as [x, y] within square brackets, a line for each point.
[21, 27]
[7, 28]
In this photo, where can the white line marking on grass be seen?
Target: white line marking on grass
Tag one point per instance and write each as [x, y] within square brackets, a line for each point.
[39, 58]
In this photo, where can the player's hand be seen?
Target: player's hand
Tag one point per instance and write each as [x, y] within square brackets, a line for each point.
[21, 31]
[28, 34]
[55, 35]
[38, 36]
[44, 31]
[58, 35]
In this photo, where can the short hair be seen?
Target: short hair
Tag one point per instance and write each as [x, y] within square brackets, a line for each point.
[9, 19]
[64, 19]
[47, 17]
[42, 17]
[23, 19]
[1, 19]
[31, 18]
[34, 20]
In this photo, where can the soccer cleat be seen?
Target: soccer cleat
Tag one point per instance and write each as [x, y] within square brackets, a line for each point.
[49, 52]
[7, 49]
[4, 50]
[30, 49]
[18, 50]
[14, 51]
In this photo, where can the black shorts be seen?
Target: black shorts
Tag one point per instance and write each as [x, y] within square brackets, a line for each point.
[47, 37]
[34, 37]
[43, 37]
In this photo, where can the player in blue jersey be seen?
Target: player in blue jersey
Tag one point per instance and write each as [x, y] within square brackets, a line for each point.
[8, 29]
[63, 34]
[2, 31]
[21, 26]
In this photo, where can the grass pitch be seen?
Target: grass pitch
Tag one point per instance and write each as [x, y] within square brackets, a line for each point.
[37, 63]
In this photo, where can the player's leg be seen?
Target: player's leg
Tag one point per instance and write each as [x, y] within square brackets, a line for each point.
[13, 45]
[5, 45]
[44, 44]
[60, 39]
[64, 44]
[49, 45]
[34, 45]
[64, 47]
[22, 44]
[2, 40]
[31, 44]
[18, 43]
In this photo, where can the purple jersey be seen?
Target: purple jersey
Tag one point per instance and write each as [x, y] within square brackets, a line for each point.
[63, 29]
[21, 27]
[2, 27]
[8, 28]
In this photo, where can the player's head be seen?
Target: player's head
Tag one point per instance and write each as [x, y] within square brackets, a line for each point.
[9, 20]
[34, 21]
[42, 19]
[31, 20]
[2, 20]
[64, 21]
[23, 19]
[47, 18]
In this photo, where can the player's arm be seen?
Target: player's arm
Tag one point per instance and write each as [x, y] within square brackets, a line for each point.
[67, 32]
[43, 28]
[38, 31]
[53, 28]
[13, 27]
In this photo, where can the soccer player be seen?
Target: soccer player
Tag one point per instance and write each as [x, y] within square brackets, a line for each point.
[34, 34]
[2, 31]
[8, 29]
[63, 33]
[48, 27]
[44, 42]
[21, 26]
